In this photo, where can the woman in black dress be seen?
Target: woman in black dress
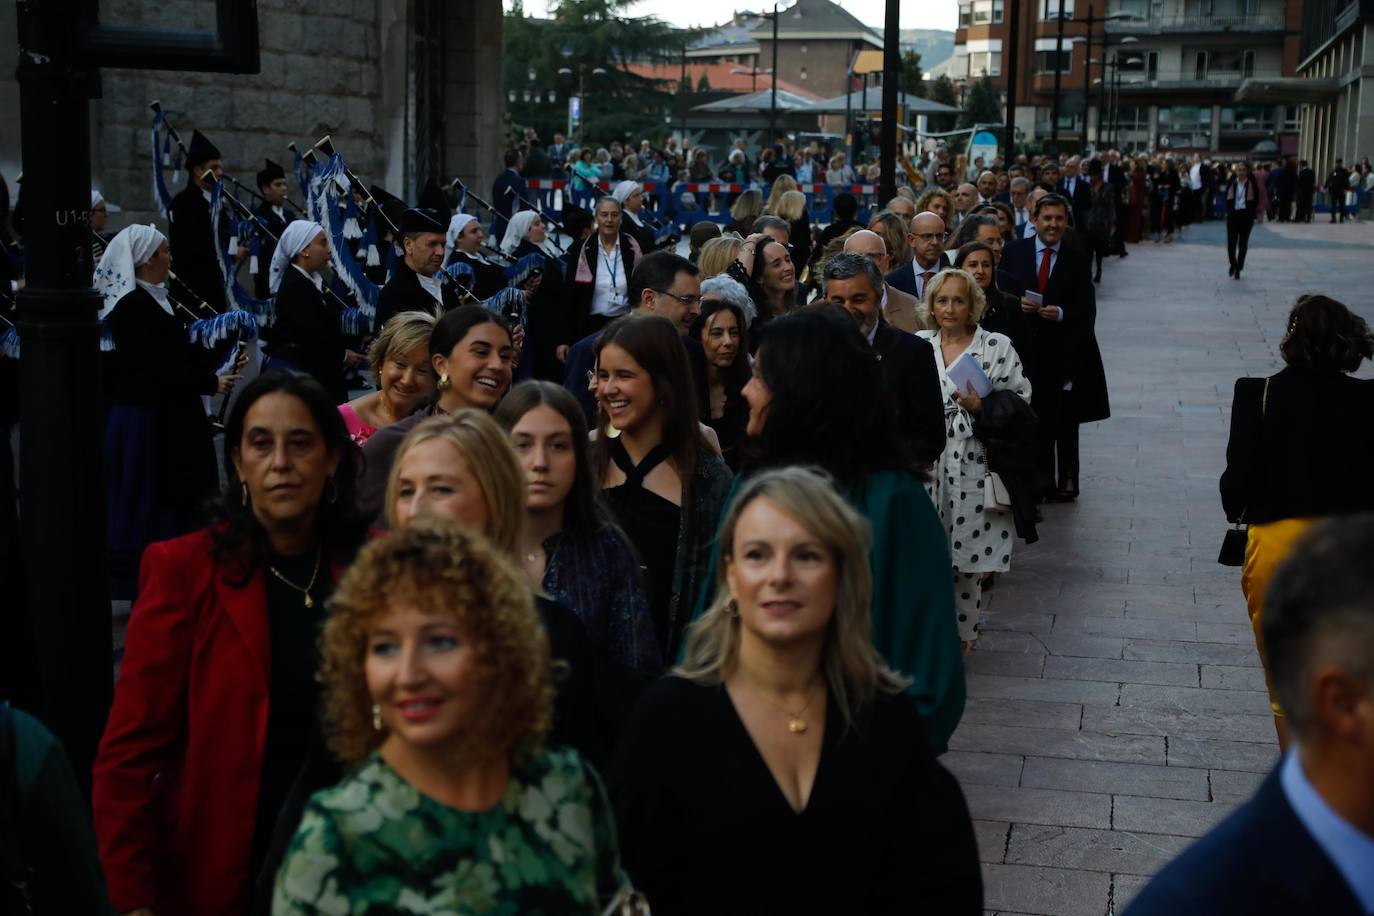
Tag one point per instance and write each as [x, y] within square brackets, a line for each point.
[1003, 315]
[159, 455]
[463, 245]
[794, 775]
[306, 335]
[722, 329]
[662, 480]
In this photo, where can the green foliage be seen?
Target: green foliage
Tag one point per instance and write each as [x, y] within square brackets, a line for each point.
[703, 84]
[942, 90]
[581, 36]
[912, 84]
[982, 104]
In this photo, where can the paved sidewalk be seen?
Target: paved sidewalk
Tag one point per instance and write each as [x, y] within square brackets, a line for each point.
[1116, 705]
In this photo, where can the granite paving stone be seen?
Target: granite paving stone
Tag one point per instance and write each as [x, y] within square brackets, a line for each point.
[1119, 614]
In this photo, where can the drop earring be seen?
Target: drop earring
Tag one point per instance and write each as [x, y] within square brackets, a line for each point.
[376, 718]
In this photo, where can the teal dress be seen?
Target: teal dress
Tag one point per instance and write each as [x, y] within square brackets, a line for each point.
[913, 596]
[374, 843]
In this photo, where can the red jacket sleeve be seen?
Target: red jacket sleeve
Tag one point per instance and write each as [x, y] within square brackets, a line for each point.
[144, 737]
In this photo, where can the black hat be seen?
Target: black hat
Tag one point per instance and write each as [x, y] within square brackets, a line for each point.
[270, 174]
[419, 219]
[432, 197]
[390, 204]
[575, 219]
[201, 151]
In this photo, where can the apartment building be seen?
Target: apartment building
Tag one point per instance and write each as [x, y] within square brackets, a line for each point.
[1147, 75]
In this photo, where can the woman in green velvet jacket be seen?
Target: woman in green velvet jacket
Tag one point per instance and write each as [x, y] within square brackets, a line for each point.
[817, 398]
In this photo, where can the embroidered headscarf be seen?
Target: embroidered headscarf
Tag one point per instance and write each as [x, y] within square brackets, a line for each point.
[114, 278]
[297, 235]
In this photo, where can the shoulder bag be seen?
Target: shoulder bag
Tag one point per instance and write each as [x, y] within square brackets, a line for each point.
[1233, 543]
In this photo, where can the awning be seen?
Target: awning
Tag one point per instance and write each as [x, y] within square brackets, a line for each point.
[871, 99]
[1287, 90]
[756, 102]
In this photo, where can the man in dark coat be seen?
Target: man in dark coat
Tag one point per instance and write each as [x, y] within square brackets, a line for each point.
[416, 284]
[1305, 842]
[1058, 345]
[508, 193]
[274, 217]
[195, 244]
[1337, 183]
[854, 283]
[1287, 187]
[1307, 187]
[928, 256]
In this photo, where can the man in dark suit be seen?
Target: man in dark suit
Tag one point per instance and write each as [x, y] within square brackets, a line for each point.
[416, 284]
[274, 218]
[927, 240]
[1337, 183]
[1305, 842]
[1077, 191]
[1306, 188]
[854, 283]
[1058, 325]
[508, 193]
[194, 242]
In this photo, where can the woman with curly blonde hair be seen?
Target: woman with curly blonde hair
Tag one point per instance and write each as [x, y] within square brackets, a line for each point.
[781, 708]
[937, 201]
[438, 692]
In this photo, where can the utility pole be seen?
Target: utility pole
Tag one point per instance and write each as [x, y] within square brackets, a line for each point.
[1087, 75]
[892, 69]
[1058, 68]
[773, 107]
[1010, 63]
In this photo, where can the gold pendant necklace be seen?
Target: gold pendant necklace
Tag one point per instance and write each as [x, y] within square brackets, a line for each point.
[309, 601]
[795, 723]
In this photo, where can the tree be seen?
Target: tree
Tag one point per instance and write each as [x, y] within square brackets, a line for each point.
[981, 104]
[582, 36]
[703, 84]
[912, 84]
[942, 90]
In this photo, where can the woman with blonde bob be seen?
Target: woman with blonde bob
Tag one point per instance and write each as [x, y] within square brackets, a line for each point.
[937, 201]
[781, 185]
[718, 254]
[462, 467]
[980, 535]
[438, 691]
[399, 359]
[781, 707]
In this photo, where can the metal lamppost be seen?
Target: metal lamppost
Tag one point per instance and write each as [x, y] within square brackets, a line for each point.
[581, 97]
[1058, 71]
[1087, 41]
[62, 512]
[892, 68]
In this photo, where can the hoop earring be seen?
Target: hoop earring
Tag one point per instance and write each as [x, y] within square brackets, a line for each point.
[244, 496]
[331, 491]
[376, 718]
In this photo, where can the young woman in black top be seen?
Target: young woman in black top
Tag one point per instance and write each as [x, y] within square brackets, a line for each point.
[723, 331]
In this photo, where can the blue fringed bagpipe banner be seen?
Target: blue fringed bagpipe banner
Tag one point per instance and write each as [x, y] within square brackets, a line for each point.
[323, 204]
[9, 343]
[263, 310]
[160, 154]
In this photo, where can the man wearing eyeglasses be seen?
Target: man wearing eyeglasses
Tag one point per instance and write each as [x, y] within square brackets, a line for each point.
[927, 240]
[663, 284]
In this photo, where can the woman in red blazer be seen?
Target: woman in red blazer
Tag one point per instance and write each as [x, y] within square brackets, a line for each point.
[215, 711]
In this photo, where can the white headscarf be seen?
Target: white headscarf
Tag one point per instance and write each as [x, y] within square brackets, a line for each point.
[517, 228]
[130, 249]
[299, 233]
[455, 228]
[623, 190]
[96, 199]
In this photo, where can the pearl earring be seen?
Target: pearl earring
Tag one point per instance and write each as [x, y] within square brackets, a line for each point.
[376, 718]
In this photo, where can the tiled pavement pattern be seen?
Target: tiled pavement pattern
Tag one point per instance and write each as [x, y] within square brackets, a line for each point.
[1116, 707]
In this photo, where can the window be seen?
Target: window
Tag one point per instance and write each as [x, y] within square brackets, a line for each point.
[1229, 62]
[1292, 119]
[987, 63]
[1200, 66]
[1185, 127]
[1049, 9]
[986, 12]
[963, 15]
[1138, 65]
[1247, 66]
[1044, 61]
[1255, 119]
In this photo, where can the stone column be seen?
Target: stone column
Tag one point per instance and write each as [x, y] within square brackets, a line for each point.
[474, 98]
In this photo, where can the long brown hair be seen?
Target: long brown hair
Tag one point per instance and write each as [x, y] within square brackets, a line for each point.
[654, 343]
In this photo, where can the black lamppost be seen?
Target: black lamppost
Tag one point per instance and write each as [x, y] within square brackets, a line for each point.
[1088, 61]
[62, 512]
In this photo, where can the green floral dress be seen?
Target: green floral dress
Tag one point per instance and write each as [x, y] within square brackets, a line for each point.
[374, 844]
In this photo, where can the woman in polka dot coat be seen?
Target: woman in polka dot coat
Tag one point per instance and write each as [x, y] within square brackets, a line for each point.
[980, 537]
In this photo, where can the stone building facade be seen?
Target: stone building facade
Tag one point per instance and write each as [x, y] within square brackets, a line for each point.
[407, 89]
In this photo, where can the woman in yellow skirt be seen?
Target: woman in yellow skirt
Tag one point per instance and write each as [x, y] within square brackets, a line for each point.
[1300, 446]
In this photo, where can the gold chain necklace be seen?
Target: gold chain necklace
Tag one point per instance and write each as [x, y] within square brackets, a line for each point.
[309, 602]
[795, 723]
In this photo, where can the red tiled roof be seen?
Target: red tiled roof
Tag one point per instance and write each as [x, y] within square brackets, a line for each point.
[719, 77]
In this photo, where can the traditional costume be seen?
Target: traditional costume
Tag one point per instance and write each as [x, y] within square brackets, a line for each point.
[306, 335]
[195, 242]
[275, 220]
[408, 290]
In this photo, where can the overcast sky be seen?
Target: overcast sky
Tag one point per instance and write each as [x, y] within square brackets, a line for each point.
[926, 14]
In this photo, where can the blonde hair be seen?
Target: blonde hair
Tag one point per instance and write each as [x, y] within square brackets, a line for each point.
[791, 206]
[717, 255]
[837, 161]
[923, 202]
[977, 302]
[894, 230]
[853, 669]
[404, 332]
[437, 565]
[487, 451]
[748, 205]
[781, 185]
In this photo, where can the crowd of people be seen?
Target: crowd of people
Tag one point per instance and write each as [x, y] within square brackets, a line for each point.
[637, 579]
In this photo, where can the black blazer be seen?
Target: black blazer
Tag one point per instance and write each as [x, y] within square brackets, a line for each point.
[1251, 197]
[1051, 350]
[909, 372]
[194, 246]
[904, 277]
[488, 279]
[1081, 199]
[1280, 465]
[275, 225]
[404, 293]
[306, 333]
[643, 233]
[578, 293]
[1260, 861]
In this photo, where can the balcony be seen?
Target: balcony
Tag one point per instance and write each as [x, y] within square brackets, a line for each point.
[1226, 82]
[1196, 23]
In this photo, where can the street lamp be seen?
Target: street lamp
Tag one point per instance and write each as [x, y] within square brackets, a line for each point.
[1087, 40]
[580, 117]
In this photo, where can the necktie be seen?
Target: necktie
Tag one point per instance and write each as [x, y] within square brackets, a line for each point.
[1043, 279]
[925, 278]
